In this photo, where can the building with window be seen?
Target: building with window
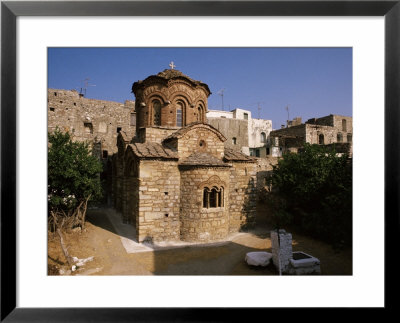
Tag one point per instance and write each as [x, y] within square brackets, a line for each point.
[97, 122]
[332, 130]
[246, 134]
[176, 179]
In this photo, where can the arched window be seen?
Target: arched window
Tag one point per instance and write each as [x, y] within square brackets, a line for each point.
[321, 139]
[344, 125]
[200, 113]
[263, 137]
[179, 110]
[339, 137]
[156, 113]
[213, 198]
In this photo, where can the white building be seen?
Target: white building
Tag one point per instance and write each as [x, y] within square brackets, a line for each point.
[257, 130]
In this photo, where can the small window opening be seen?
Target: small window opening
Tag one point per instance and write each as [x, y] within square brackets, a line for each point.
[349, 137]
[339, 137]
[179, 115]
[246, 116]
[88, 127]
[165, 193]
[55, 93]
[263, 137]
[321, 139]
[105, 154]
[166, 215]
[234, 141]
[344, 125]
[52, 109]
[133, 119]
[156, 113]
[267, 150]
[75, 103]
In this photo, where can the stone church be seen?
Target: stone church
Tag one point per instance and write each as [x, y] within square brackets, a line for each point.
[174, 179]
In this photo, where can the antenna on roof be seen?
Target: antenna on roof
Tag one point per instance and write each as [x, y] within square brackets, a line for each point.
[258, 107]
[287, 109]
[85, 86]
[221, 93]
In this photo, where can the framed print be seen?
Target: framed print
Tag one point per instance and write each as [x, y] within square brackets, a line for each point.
[31, 28]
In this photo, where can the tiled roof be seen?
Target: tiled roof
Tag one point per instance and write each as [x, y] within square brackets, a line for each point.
[152, 150]
[203, 159]
[181, 132]
[124, 136]
[233, 155]
[168, 74]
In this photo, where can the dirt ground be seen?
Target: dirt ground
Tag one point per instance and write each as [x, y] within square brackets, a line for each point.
[100, 241]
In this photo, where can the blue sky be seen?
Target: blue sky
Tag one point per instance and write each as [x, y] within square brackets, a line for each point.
[313, 82]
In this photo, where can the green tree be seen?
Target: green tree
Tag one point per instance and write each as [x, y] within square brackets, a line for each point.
[313, 190]
[73, 179]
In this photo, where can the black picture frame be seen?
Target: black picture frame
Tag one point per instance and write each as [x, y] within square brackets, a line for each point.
[10, 10]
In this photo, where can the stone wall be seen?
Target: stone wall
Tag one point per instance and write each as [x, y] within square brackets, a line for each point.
[264, 171]
[154, 134]
[200, 140]
[235, 131]
[159, 201]
[199, 223]
[313, 133]
[94, 121]
[242, 195]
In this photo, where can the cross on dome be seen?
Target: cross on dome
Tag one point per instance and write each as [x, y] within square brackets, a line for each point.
[172, 65]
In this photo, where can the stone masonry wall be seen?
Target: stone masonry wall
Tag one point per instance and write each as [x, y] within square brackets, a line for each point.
[200, 140]
[88, 119]
[199, 223]
[232, 128]
[264, 171]
[159, 198]
[314, 131]
[155, 134]
[242, 195]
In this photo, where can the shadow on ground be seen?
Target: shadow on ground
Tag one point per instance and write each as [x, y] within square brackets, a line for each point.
[223, 258]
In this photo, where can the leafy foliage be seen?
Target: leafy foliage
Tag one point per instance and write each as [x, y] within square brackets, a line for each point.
[73, 173]
[313, 190]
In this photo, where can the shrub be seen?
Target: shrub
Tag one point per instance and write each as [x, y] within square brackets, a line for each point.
[316, 186]
[73, 179]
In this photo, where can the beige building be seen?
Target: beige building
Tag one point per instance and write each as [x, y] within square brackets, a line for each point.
[332, 130]
[167, 171]
[96, 121]
[176, 180]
